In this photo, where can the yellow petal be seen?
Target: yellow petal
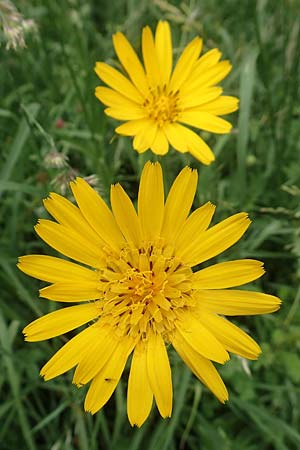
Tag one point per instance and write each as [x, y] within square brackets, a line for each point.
[96, 356]
[51, 269]
[123, 113]
[132, 127]
[238, 302]
[160, 145]
[204, 77]
[163, 46]
[159, 373]
[183, 140]
[228, 274]
[130, 62]
[201, 367]
[105, 382]
[97, 213]
[150, 57]
[145, 137]
[196, 146]
[60, 322]
[185, 64]
[179, 202]
[210, 58]
[69, 243]
[151, 200]
[201, 339]
[196, 249]
[215, 74]
[118, 82]
[139, 395]
[70, 354]
[175, 137]
[71, 292]
[233, 338]
[205, 121]
[69, 215]
[222, 105]
[114, 99]
[200, 98]
[196, 223]
[125, 215]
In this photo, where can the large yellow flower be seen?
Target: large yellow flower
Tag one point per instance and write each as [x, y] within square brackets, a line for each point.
[135, 275]
[155, 102]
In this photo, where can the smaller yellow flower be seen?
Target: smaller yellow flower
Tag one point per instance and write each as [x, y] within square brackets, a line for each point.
[155, 101]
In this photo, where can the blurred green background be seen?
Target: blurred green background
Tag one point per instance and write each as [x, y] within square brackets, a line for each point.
[48, 106]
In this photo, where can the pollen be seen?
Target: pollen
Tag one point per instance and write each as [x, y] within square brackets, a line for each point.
[145, 289]
[162, 107]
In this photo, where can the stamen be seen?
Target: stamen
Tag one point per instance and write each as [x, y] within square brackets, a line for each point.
[147, 295]
[161, 106]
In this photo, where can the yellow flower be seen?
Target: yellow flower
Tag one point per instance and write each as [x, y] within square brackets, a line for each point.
[135, 275]
[155, 101]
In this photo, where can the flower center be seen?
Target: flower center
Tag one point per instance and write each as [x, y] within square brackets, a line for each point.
[144, 288]
[162, 107]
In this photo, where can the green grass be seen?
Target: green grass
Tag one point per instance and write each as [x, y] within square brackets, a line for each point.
[257, 170]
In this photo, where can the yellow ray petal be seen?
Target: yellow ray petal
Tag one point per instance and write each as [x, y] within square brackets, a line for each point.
[233, 338]
[194, 332]
[69, 215]
[238, 302]
[71, 291]
[185, 64]
[139, 395]
[215, 74]
[70, 354]
[214, 241]
[69, 243]
[130, 62]
[210, 58]
[160, 145]
[159, 373]
[114, 99]
[51, 269]
[222, 105]
[196, 145]
[196, 223]
[201, 367]
[228, 274]
[163, 46]
[145, 137]
[205, 121]
[150, 58]
[97, 213]
[179, 202]
[122, 113]
[96, 356]
[118, 82]
[151, 200]
[183, 140]
[125, 214]
[211, 76]
[198, 100]
[132, 127]
[175, 137]
[60, 322]
[105, 382]
[139, 144]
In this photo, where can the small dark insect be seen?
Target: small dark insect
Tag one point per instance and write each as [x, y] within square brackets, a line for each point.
[109, 380]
